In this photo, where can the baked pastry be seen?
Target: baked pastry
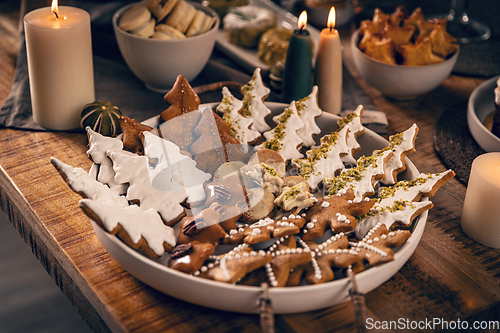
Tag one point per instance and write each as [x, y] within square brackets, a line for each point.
[273, 45]
[165, 31]
[181, 16]
[244, 25]
[400, 39]
[201, 23]
[161, 8]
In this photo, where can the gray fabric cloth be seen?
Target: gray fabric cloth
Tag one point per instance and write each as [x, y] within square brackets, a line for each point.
[114, 81]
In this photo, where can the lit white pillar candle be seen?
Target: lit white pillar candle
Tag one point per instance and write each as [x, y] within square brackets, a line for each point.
[481, 212]
[61, 74]
[328, 72]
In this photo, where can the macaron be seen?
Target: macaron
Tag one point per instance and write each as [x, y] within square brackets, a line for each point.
[161, 8]
[145, 30]
[170, 31]
[182, 16]
[201, 23]
[134, 18]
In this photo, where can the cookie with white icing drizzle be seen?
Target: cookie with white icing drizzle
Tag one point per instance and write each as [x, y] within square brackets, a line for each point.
[376, 247]
[398, 203]
[138, 228]
[285, 259]
[230, 108]
[353, 122]
[308, 111]
[234, 265]
[87, 186]
[332, 253]
[167, 163]
[264, 229]
[403, 144]
[283, 138]
[401, 211]
[254, 93]
[133, 169]
[361, 177]
[324, 161]
[99, 145]
[337, 212]
[189, 258]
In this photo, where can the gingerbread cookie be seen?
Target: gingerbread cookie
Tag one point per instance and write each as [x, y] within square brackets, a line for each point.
[234, 265]
[230, 108]
[402, 145]
[353, 122]
[138, 228]
[324, 161]
[169, 168]
[254, 93]
[337, 212]
[376, 247]
[204, 227]
[99, 145]
[189, 258]
[131, 130]
[360, 178]
[264, 230]
[308, 111]
[284, 138]
[133, 169]
[85, 185]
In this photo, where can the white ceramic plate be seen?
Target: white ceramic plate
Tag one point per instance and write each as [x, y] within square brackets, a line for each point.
[245, 299]
[247, 58]
[481, 104]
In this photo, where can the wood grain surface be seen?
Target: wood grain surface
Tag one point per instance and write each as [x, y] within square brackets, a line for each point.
[449, 276]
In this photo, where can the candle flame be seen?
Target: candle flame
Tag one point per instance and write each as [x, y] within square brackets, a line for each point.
[54, 8]
[331, 18]
[303, 20]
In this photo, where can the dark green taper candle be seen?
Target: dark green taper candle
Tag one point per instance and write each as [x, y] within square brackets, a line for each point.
[298, 66]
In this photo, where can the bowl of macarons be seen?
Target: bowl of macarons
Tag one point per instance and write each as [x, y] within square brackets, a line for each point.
[160, 40]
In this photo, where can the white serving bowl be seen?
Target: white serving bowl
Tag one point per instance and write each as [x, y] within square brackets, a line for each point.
[398, 81]
[158, 62]
[481, 104]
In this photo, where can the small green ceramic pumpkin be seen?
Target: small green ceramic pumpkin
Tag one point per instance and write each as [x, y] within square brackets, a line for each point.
[102, 117]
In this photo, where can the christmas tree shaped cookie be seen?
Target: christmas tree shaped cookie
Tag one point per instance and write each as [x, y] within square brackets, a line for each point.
[254, 93]
[230, 107]
[308, 111]
[284, 138]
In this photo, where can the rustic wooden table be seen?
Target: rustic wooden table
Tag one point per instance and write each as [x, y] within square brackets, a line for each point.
[449, 277]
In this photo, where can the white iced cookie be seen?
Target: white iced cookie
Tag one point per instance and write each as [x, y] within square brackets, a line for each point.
[284, 138]
[397, 203]
[133, 169]
[297, 196]
[402, 144]
[353, 122]
[412, 190]
[165, 159]
[99, 145]
[230, 108]
[401, 211]
[139, 228]
[308, 111]
[86, 185]
[360, 178]
[254, 93]
[324, 161]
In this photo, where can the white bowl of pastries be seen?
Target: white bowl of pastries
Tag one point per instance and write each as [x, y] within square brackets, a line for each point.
[403, 55]
[160, 40]
[483, 115]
